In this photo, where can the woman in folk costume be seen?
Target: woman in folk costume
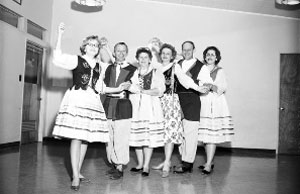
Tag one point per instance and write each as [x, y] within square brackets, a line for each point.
[147, 126]
[81, 116]
[216, 125]
[173, 127]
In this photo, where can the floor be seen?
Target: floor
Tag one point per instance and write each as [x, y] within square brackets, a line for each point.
[44, 168]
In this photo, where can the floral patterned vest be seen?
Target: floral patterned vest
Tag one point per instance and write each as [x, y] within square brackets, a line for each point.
[82, 75]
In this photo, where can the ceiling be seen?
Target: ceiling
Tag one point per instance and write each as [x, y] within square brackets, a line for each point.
[253, 6]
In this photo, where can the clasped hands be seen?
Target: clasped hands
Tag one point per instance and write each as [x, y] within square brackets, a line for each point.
[206, 87]
[124, 85]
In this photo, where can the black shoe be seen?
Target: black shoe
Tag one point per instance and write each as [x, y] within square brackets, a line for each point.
[75, 188]
[144, 173]
[136, 170]
[201, 167]
[184, 168]
[111, 171]
[206, 172]
[116, 175]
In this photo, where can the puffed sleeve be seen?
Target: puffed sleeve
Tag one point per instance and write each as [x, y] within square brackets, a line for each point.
[159, 82]
[221, 82]
[100, 85]
[134, 87]
[184, 79]
[204, 76]
[65, 61]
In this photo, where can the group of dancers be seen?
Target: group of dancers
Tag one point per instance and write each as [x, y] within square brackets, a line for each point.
[157, 102]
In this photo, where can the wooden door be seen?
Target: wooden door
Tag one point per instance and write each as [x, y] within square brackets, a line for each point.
[31, 94]
[289, 116]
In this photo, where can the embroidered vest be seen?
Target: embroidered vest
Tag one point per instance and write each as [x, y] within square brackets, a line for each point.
[146, 80]
[82, 75]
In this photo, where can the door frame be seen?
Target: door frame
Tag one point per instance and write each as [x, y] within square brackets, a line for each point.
[279, 99]
[42, 111]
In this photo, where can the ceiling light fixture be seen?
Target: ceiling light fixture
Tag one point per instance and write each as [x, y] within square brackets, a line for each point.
[288, 2]
[91, 3]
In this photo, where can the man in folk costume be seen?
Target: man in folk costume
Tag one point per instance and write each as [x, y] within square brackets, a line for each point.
[190, 104]
[118, 110]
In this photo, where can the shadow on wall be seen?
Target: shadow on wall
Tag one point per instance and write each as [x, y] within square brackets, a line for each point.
[83, 8]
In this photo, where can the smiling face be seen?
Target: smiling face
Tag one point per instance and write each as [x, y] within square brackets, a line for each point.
[187, 51]
[144, 59]
[92, 48]
[120, 52]
[211, 57]
[166, 55]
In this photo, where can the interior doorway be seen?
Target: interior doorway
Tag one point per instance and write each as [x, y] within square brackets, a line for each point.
[32, 92]
[289, 116]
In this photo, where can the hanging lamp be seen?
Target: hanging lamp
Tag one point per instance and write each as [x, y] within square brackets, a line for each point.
[91, 3]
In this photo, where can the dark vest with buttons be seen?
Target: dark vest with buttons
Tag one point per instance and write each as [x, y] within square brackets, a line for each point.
[82, 75]
[118, 108]
[189, 99]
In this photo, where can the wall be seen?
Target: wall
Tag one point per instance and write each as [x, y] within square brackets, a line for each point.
[250, 43]
[12, 62]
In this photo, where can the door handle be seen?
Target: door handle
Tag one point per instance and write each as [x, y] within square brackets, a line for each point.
[281, 108]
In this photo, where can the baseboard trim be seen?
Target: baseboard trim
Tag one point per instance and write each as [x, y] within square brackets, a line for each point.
[10, 147]
[230, 150]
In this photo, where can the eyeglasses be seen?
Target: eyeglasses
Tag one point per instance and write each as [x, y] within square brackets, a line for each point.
[93, 45]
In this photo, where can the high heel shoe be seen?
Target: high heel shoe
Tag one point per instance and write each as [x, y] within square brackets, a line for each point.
[145, 172]
[158, 167]
[201, 167]
[185, 167]
[136, 170]
[206, 172]
[166, 171]
[76, 187]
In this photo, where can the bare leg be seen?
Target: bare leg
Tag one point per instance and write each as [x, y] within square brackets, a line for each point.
[210, 153]
[83, 149]
[148, 153]
[75, 158]
[168, 154]
[140, 157]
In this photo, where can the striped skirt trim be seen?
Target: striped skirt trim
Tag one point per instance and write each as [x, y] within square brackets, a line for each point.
[147, 134]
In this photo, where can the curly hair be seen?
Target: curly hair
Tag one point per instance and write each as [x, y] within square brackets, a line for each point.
[143, 50]
[86, 42]
[217, 51]
[172, 48]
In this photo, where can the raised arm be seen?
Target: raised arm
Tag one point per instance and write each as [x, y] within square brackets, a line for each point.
[65, 61]
[106, 55]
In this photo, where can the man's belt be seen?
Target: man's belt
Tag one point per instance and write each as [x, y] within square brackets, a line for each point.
[119, 95]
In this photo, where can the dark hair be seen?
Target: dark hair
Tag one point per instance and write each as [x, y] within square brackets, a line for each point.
[143, 50]
[172, 48]
[188, 41]
[217, 51]
[121, 43]
[86, 41]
